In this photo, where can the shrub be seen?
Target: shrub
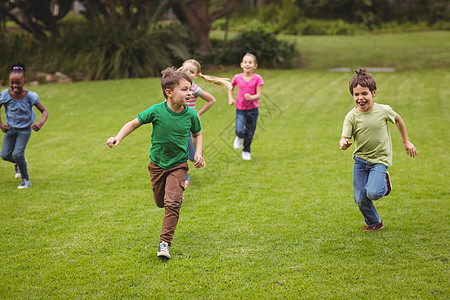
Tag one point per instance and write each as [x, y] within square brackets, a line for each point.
[14, 47]
[271, 53]
[112, 52]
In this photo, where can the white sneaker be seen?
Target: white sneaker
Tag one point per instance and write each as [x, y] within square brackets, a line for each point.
[163, 250]
[26, 183]
[246, 155]
[238, 142]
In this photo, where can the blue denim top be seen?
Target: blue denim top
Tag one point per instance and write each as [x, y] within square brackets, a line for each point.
[19, 113]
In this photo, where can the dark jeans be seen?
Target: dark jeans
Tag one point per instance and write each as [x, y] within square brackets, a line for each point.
[246, 125]
[168, 188]
[13, 148]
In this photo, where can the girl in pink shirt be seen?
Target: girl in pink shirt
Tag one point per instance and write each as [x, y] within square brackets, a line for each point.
[249, 92]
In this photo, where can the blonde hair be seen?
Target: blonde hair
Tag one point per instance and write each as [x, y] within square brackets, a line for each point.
[224, 82]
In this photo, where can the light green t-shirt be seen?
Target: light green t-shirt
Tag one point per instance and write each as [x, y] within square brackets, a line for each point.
[170, 133]
[370, 133]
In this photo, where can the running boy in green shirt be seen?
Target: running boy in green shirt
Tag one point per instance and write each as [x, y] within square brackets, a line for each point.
[367, 124]
[172, 121]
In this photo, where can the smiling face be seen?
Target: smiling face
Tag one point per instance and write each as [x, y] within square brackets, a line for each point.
[363, 98]
[16, 82]
[248, 64]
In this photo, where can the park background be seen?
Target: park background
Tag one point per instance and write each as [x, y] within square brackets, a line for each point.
[283, 225]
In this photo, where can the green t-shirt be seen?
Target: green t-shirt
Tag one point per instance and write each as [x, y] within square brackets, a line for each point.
[170, 133]
[370, 133]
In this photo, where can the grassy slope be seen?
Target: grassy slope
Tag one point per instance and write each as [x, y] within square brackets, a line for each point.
[283, 224]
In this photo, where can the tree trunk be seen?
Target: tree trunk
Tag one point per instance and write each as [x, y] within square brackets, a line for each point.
[200, 20]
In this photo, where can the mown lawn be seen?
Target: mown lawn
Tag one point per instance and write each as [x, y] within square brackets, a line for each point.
[403, 51]
[281, 225]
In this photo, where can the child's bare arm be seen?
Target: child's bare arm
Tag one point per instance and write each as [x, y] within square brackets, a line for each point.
[210, 100]
[3, 127]
[256, 96]
[344, 143]
[231, 100]
[38, 125]
[197, 139]
[409, 147]
[126, 130]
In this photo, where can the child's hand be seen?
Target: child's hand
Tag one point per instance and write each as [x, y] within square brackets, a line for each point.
[410, 149]
[231, 101]
[4, 127]
[36, 126]
[344, 143]
[248, 96]
[199, 161]
[112, 141]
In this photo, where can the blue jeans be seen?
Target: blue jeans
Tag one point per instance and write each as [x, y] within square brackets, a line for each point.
[13, 148]
[369, 184]
[246, 125]
[191, 150]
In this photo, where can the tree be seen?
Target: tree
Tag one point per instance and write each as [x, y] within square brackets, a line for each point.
[36, 17]
[127, 13]
[200, 19]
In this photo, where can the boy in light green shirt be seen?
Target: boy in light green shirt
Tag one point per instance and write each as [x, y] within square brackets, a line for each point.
[367, 124]
[172, 121]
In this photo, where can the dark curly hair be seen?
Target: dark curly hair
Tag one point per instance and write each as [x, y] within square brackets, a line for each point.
[363, 79]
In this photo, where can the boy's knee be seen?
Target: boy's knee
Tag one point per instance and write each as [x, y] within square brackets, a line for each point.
[372, 195]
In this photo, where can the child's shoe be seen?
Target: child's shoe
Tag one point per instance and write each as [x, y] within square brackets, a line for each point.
[389, 184]
[238, 142]
[18, 175]
[186, 183]
[163, 250]
[26, 183]
[246, 155]
[373, 228]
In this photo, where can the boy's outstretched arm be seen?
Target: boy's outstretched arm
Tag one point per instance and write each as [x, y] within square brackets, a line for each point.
[126, 130]
[197, 139]
[409, 147]
[344, 143]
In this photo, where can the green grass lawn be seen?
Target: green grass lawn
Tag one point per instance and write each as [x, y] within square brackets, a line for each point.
[403, 51]
[283, 225]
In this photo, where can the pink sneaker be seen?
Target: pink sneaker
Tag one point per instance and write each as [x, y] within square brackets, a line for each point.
[389, 184]
[373, 228]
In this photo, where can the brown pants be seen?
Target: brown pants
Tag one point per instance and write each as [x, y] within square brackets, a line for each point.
[168, 188]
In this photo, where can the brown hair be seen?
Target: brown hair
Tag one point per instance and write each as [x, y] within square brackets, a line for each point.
[363, 79]
[224, 82]
[171, 77]
[251, 55]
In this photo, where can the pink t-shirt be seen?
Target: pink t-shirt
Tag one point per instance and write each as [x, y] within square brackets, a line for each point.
[246, 87]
